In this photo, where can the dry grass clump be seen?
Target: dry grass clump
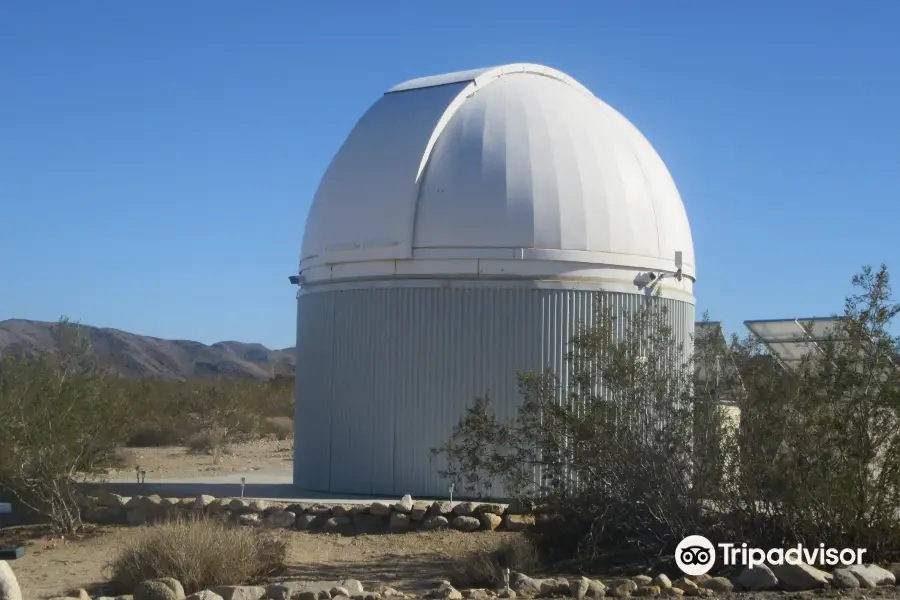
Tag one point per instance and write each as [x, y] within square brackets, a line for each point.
[484, 568]
[282, 428]
[207, 441]
[200, 553]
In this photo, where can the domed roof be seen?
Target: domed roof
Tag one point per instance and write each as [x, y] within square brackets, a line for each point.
[514, 171]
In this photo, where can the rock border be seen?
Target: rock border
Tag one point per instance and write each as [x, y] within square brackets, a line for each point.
[106, 508]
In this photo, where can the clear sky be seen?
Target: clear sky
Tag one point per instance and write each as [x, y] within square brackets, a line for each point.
[157, 159]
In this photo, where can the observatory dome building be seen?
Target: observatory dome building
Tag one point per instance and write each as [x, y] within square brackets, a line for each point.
[460, 235]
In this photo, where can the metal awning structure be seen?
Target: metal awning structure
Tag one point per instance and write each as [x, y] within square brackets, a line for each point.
[790, 340]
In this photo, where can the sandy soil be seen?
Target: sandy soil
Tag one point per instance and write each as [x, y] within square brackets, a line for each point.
[411, 562]
[177, 462]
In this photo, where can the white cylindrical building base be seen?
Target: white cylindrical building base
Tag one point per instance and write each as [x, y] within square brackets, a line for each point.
[385, 373]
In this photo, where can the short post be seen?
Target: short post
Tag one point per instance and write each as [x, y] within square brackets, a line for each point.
[14, 552]
[452, 487]
[506, 578]
[243, 483]
[143, 476]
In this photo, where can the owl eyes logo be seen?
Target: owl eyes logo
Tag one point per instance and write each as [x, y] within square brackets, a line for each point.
[695, 555]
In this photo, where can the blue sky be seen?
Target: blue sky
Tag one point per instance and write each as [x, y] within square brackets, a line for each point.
[157, 159]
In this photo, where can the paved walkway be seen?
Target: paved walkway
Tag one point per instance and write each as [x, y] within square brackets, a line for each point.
[271, 484]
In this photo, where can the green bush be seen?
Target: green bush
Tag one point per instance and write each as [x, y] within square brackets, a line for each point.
[637, 452]
[61, 417]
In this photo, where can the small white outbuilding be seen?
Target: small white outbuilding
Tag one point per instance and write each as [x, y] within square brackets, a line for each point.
[458, 236]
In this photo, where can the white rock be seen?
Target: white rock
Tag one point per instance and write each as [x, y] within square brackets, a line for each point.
[9, 586]
[843, 579]
[871, 575]
[799, 577]
[758, 578]
[405, 505]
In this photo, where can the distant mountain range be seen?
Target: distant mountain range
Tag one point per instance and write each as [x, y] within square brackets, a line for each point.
[144, 357]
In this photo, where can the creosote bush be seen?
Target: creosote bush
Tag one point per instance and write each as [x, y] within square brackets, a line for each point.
[200, 553]
[484, 568]
[61, 416]
[641, 448]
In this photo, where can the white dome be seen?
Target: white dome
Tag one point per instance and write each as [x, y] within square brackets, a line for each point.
[514, 171]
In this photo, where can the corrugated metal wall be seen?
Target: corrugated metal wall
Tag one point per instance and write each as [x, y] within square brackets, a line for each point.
[384, 374]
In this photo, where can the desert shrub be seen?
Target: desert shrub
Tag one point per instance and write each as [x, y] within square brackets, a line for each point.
[484, 568]
[282, 428]
[121, 458]
[200, 553]
[208, 441]
[638, 450]
[616, 459]
[61, 416]
[827, 468]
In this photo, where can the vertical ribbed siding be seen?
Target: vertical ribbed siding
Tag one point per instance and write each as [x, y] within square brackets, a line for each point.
[384, 374]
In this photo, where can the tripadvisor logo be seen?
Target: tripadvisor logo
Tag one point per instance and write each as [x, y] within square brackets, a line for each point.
[696, 555]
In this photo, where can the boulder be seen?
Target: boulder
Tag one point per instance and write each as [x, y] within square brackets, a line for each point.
[477, 594]
[799, 577]
[419, 511]
[663, 581]
[9, 585]
[240, 592]
[489, 521]
[759, 578]
[369, 523]
[642, 580]
[239, 506]
[628, 584]
[342, 510]
[507, 594]
[446, 592]
[578, 588]
[136, 516]
[465, 509]
[282, 519]
[379, 509]
[249, 519]
[435, 522]
[335, 524]
[554, 588]
[492, 508]
[399, 521]
[647, 590]
[157, 589]
[871, 575]
[258, 506]
[518, 522]
[596, 589]
[405, 505]
[721, 585]
[281, 591]
[354, 586]
[319, 509]
[204, 595]
[521, 582]
[339, 591]
[441, 508]
[687, 586]
[843, 579]
[305, 521]
[463, 523]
